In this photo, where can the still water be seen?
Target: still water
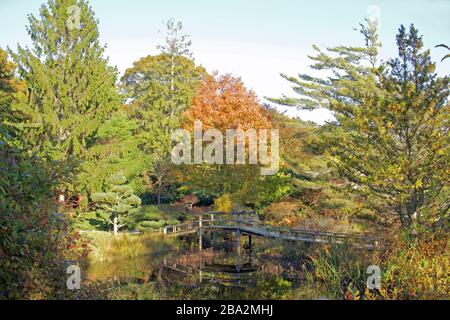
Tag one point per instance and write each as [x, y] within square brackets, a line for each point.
[255, 270]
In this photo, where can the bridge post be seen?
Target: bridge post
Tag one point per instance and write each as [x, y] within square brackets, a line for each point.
[250, 250]
[238, 242]
[200, 234]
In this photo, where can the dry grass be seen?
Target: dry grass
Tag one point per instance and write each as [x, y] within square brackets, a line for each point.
[126, 257]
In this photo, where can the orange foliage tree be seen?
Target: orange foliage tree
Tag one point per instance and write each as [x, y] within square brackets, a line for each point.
[223, 102]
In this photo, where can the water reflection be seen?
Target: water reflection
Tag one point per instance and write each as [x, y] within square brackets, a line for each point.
[215, 267]
[233, 266]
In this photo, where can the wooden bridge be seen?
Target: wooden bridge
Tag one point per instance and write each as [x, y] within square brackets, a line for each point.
[246, 223]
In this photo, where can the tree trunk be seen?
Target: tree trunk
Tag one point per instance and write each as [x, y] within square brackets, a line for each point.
[159, 191]
[116, 225]
[159, 196]
[172, 74]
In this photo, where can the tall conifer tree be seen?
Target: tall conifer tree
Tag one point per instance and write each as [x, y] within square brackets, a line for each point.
[70, 87]
[161, 88]
[390, 139]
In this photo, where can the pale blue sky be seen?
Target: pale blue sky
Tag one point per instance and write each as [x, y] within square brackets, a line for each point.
[253, 39]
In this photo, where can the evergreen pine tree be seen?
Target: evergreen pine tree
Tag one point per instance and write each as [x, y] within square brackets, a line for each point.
[117, 203]
[70, 87]
[390, 139]
[160, 89]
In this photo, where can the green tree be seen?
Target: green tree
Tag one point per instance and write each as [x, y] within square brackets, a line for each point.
[9, 87]
[115, 150]
[70, 87]
[177, 44]
[159, 89]
[117, 203]
[390, 139]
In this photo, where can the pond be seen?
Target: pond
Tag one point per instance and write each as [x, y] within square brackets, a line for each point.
[245, 269]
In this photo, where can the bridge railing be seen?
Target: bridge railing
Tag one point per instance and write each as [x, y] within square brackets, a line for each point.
[213, 219]
[196, 224]
[180, 228]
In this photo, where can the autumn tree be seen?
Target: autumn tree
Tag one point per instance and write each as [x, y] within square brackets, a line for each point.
[390, 139]
[223, 102]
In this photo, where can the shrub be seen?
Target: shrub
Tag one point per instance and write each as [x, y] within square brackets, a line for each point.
[172, 222]
[418, 269]
[273, 288]
[149, 225]
[34, 240]
[224, 203]
[150, 216]
[150, 213]
[333, 204]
